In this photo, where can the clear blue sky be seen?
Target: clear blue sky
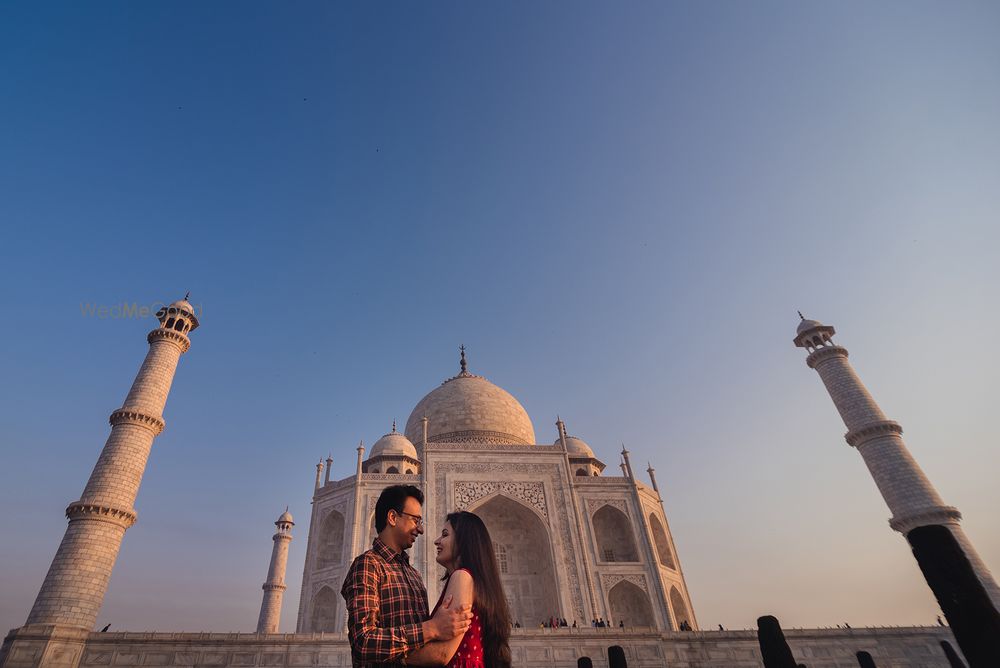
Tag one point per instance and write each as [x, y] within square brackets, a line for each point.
[617, 208]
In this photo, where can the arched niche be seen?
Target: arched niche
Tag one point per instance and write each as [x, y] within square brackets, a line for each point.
[331, 540]
[679, 608]
[324, 611]
[661, 542]
[630, 604]
[529, 579]
[613, 532]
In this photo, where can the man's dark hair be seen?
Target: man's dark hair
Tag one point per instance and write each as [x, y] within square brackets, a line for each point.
[393, 498]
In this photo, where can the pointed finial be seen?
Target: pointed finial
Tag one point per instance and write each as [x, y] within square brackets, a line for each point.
[286, 508]
[801, 317]
[394, 425]
[462, 362]
[187, 295]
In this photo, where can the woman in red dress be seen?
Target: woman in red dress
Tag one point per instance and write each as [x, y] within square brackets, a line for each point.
[465, 550]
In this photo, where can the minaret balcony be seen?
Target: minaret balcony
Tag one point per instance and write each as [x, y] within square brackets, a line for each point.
[871, 431]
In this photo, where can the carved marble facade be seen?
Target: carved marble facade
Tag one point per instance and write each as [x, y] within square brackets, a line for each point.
[550, 530]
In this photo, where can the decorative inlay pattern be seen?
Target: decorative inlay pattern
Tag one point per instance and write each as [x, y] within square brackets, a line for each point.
[130, 416]
[174, 337]
[532, 493]
[593, 505]
[862, 435]
[94, 511]
[477, 436]
[394, 477]
[441, 446]
[609, 580]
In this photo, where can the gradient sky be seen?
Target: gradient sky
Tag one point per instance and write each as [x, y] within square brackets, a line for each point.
[617, 208]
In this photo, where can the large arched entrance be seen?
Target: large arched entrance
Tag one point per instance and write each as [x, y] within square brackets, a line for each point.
[614, 535]
[630, 604]
[331, 540]
[324, 611]
[524, 556]
[680, 609]
[660, 540]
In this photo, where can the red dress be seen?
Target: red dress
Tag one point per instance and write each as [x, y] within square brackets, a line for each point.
[470, 651]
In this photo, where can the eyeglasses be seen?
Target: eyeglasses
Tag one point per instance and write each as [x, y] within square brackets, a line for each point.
[416, 518]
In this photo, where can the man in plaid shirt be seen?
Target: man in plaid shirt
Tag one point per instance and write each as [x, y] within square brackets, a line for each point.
[386, 600]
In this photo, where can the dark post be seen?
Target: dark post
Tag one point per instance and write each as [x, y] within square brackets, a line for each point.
[616, 657]
[963, 599]
[952, 656]
[865, 660]
[774, 649]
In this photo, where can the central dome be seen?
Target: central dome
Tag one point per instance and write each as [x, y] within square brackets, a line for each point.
[470, 409]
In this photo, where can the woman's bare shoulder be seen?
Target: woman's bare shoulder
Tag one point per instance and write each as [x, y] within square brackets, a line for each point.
[460, 583]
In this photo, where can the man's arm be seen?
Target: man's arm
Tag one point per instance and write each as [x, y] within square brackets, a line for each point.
[370, 642]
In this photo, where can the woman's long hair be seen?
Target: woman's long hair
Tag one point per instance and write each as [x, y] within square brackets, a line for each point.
[475, 552]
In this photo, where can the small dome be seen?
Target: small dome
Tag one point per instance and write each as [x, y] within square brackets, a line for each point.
[807, 324]
[285, 517]
[184, 306]
[576, 447]
[394, 444]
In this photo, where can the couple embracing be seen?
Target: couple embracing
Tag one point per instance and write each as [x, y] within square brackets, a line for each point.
[388, 619]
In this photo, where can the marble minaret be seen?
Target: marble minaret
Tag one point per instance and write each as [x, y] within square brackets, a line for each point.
[74, 587]
[910, 496]
[274, 587]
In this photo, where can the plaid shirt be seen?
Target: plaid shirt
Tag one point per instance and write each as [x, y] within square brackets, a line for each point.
[386, 607]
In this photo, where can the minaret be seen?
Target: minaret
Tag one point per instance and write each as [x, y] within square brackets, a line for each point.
[628, 464]
[652, 478]
[910, 496]
[74, 587]
[274, 587]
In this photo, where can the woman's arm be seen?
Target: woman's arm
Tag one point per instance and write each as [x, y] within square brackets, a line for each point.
[439, 652]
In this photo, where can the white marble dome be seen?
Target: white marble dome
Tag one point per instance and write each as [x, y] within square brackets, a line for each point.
[470, 409]
[577, 447]
[393, 444]
[807, 324]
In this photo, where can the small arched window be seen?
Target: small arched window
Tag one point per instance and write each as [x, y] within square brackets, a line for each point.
[581, 471]
[179, 325]
[170, 323]
[392, 469]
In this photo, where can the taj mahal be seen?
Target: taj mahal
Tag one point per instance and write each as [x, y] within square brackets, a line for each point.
[575, 539]
[571, 542]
